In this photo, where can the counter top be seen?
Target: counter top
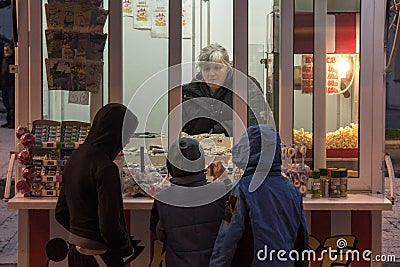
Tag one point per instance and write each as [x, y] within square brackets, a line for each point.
[352, 202]
[49, 203]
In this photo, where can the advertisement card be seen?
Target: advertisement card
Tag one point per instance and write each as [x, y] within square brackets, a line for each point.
[141, 15]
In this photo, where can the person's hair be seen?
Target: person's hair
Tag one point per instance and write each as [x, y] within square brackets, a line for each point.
[9, 45]
[213, 53]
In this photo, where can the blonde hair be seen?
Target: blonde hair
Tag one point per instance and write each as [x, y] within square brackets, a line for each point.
[213, 53]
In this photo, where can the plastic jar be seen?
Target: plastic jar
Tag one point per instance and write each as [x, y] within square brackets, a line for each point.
[343, 182]
[334, 191]
[324, 182]
[315, 185]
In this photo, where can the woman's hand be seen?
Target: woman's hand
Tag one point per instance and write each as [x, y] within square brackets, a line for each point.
[215, 170]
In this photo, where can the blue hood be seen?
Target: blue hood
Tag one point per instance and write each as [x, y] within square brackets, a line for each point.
[258, 150]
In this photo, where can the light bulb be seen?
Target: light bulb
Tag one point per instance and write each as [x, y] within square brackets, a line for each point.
[343, 66]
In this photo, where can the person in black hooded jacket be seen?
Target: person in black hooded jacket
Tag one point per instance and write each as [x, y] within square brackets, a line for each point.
[208, 98]
[90, 201]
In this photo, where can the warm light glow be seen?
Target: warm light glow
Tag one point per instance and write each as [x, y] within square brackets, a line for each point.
[343, 66]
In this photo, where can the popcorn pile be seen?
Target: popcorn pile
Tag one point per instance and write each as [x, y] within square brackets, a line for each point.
[342, 138]
[300, 136]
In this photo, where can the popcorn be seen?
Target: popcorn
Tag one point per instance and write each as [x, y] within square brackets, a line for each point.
[343, 138]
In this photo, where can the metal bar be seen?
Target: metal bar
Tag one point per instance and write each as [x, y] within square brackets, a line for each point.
[319, 91]
[174, 70]
[240, 51]
[286, 72]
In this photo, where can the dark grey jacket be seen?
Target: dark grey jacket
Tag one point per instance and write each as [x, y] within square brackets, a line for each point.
[191, 230]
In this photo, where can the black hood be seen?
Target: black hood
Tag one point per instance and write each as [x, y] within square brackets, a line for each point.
[112, 123]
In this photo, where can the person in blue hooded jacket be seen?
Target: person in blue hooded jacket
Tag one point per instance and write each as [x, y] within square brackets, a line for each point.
[264, 222]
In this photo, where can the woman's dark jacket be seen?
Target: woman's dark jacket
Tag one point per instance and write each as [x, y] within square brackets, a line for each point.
[204, 112]
[90, 201]
[190, 229]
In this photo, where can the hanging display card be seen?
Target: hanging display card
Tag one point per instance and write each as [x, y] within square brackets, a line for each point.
[98, 20]
[159, 19]
[94, 73]
[97, 41]
[59, 74]
[80, 98]
[69, 16]
[54, 40]
[127, 8]
[141, 15]
[82, 16]
[187, 19]
[70, 44]
[96, 3]
[75, 43]
[74, 75]
[54, 16]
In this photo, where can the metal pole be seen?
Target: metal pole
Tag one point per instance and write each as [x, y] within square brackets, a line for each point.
[193, 36]
[208, 21]
[201, 24]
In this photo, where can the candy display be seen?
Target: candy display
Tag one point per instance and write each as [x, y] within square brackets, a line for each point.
[45, 153]
[22, 186]
[29, 172]
[137, 183]
[74, 133]
[24, 157]
[21, 131]
[27, 140]
[296, 172]
[46, 133]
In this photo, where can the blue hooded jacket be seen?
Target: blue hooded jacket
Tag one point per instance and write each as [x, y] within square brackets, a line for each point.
[269, 212]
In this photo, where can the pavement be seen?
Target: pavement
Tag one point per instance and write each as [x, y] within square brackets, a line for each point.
[8, 218]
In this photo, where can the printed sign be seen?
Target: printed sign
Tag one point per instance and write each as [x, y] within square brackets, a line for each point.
[332, 74]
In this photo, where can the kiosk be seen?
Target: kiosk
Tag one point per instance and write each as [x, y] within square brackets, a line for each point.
[300, 44]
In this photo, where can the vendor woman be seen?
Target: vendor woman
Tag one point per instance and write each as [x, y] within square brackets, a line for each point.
[207, 99]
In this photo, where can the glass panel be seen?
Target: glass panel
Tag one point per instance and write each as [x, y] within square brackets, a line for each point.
[303, 46]
[145, 62]
[260, 101]
[342, 81]
[342, 100]
[145, 87]
[70, 40]
[209, 38]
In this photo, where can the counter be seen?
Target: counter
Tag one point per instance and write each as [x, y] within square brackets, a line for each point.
[358, 215]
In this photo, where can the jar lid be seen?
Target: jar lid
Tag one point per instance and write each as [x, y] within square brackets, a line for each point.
[343, 172]
[323, 171]
[315, 174]
[336, 173]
